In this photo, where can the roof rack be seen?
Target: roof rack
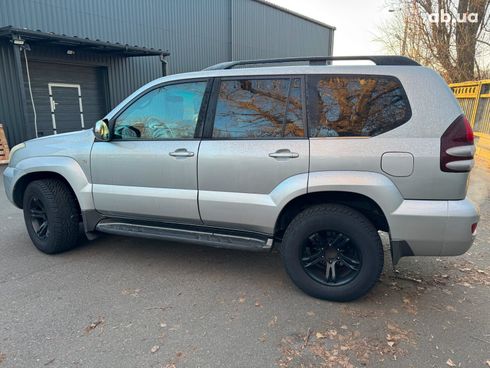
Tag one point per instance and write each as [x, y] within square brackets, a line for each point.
[319, 60]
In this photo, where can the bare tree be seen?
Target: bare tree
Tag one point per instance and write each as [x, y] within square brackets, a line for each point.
[352, 106]
[452, 36]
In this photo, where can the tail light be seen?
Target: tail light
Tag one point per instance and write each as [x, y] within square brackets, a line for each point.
[457, 147]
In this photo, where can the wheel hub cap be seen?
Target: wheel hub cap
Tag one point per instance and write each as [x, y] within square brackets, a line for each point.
[331, 258]
[39, 218]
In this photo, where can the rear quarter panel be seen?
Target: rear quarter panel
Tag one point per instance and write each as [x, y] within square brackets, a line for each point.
[433, 107]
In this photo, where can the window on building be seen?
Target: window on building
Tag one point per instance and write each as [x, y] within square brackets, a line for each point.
[259, 109]
[342, 106]
[169, 112]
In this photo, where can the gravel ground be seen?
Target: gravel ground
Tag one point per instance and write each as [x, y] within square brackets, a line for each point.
[121, 302]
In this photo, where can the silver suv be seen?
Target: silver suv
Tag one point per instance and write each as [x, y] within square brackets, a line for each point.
[313, 159]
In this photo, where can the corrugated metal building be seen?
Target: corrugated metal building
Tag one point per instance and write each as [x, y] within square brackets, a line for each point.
[73, 60]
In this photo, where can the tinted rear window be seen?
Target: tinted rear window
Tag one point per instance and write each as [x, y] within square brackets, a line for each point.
[259, 109]
[342, 106]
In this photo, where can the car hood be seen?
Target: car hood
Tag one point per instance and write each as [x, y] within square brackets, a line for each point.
[76, 145]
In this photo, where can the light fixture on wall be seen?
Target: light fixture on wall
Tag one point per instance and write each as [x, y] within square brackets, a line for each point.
[70, 52]
[18, 41]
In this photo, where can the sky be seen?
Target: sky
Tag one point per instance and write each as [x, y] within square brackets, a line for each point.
[356, 22]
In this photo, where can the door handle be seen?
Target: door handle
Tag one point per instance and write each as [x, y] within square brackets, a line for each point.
[284, 153]
[181, 152]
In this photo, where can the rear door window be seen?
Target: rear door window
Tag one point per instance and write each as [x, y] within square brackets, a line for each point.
[343, 106]
[259, 109]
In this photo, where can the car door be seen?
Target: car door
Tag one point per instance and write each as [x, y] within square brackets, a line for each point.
[149, 168]
[254, 152]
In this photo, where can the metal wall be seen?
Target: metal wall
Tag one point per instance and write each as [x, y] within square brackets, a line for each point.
[12, 107]
[261, 31]
[197, 34]
[194, 31]
[126, 74]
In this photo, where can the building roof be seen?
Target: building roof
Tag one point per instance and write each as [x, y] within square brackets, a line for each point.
[78, 42]
[285, 10]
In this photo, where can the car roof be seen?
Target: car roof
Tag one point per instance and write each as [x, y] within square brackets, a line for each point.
[406, 74]
[290, 70]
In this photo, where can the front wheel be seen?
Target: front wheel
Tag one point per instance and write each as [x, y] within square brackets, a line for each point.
[51, 215]
[332, 252]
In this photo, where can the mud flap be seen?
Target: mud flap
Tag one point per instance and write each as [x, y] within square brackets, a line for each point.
[399, 249]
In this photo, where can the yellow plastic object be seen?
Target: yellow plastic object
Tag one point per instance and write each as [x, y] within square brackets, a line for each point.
[474, 98]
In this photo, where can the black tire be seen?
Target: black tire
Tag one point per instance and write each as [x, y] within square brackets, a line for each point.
[315, 226]
[51, 202]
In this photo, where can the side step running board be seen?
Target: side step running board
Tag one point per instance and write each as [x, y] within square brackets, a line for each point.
[211, 238]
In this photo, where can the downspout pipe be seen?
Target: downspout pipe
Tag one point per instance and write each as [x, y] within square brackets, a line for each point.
[164, 62]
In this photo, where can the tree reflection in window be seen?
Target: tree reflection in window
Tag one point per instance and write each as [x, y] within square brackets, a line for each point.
[356, 106]
[259, 109]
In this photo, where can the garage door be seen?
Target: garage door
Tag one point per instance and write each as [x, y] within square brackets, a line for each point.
[66, 97]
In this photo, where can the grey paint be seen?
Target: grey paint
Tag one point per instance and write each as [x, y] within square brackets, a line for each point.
[239, 186]
[197, 34]
[256, 185]
[145, 180]
[420, 139]
[397, 163]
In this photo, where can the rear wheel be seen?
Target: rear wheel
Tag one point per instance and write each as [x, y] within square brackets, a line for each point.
[332, 252]
[51, 215]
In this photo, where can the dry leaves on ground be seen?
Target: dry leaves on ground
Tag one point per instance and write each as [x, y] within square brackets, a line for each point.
[463, 272]
[273, 322]
[173, 362]
[2, 357]
[470, 274]
[92, 326]
[131, 292]
[409, 305]
[361, 312]
[345, 349]
[450, 363]
[154, 349]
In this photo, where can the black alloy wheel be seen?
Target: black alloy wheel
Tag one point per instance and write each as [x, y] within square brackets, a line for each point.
[331, 258]
[38, 217]
[332, 252]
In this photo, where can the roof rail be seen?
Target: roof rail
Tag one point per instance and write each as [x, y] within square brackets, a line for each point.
[319, 60]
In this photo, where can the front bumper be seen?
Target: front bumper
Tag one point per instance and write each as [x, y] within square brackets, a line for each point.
[8, 182]
[433, 228]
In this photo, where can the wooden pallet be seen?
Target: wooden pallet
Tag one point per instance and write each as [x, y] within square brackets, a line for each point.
[4, 147]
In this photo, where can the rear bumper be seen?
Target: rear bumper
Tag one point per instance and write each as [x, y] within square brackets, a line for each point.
[432, 228]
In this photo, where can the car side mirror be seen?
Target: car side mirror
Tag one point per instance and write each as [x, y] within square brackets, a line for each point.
[101, 131]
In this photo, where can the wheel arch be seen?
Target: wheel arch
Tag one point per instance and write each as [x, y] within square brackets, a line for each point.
[360, 202]
[64, 169]
[25, 180]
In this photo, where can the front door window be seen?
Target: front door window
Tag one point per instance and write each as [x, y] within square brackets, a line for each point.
[169, 112]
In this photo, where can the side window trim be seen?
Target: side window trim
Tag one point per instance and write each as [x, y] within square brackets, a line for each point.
[213, 100]
[202, 111]
[313, 113]
[286, 107]
[207, 131]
